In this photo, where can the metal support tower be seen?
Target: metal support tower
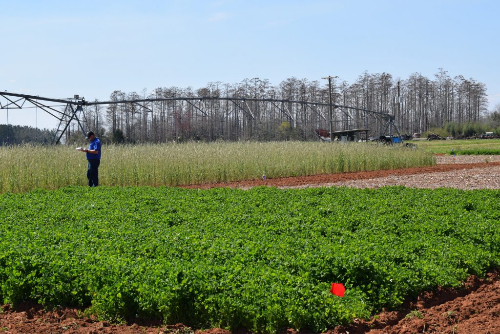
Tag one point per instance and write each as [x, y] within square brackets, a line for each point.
[237, 110]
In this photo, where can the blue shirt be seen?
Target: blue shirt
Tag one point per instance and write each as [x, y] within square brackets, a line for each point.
[94, 145]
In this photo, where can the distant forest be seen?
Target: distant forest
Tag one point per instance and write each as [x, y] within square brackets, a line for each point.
[15, 135]
[418, 103]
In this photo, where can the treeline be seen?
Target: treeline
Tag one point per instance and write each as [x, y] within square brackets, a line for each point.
[489, 123]
[418, 103]
[16, 134]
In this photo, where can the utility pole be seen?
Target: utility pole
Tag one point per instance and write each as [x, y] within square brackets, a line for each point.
[8, 123]
[330, 107]
[399, 100]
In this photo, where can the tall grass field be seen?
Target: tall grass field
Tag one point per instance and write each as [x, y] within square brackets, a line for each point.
[23, 168]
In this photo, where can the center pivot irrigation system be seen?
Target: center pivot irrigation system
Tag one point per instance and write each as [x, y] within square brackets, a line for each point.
[330, 121]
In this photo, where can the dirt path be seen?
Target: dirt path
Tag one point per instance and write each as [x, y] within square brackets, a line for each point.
[475, 308]
[462, 175]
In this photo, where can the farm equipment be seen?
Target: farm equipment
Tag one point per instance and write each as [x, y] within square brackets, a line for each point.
[357, 135]
[488, 135]
[345, 135]
[389, 140]
[433, 136]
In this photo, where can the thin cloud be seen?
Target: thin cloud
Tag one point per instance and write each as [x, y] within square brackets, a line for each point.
[218, 17]
[275, 24]
[57, 21]
[220, 3]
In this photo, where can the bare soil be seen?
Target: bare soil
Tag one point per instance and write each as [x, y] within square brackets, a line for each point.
[473, 308]
[462, 172]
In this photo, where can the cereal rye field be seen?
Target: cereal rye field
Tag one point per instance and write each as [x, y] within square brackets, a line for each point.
[474, 308]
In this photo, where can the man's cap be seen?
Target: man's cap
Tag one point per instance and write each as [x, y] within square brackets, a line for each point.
[90, 133]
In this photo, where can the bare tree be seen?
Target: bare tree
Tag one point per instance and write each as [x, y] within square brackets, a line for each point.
[418, 103]
[112, 112]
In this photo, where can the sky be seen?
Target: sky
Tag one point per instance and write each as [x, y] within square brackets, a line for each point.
[57, 49]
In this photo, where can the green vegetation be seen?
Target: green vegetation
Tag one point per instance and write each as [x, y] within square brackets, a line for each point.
[415, 314]
[17, 135]
[474, 128]
[262, 259]
[23, 168]
[460, 147]
[468, 129]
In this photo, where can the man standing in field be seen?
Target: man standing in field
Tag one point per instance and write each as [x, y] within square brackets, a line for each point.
[94, 159]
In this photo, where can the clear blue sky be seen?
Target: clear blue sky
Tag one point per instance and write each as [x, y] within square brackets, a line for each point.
[58, 48]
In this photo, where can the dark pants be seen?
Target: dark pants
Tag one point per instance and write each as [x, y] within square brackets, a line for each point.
[93, 172]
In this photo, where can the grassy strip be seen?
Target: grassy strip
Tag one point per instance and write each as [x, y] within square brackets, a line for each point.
[30, 167]
[478, 151]
[262, 259]
[460, 147]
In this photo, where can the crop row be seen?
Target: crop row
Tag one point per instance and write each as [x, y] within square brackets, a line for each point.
[26, 168]
[262, 259]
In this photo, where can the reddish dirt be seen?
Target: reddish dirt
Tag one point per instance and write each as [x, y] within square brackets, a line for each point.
[318, 180]
[474, 308]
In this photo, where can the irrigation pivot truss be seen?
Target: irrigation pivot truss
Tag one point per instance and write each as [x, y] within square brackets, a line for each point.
[231, 118]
